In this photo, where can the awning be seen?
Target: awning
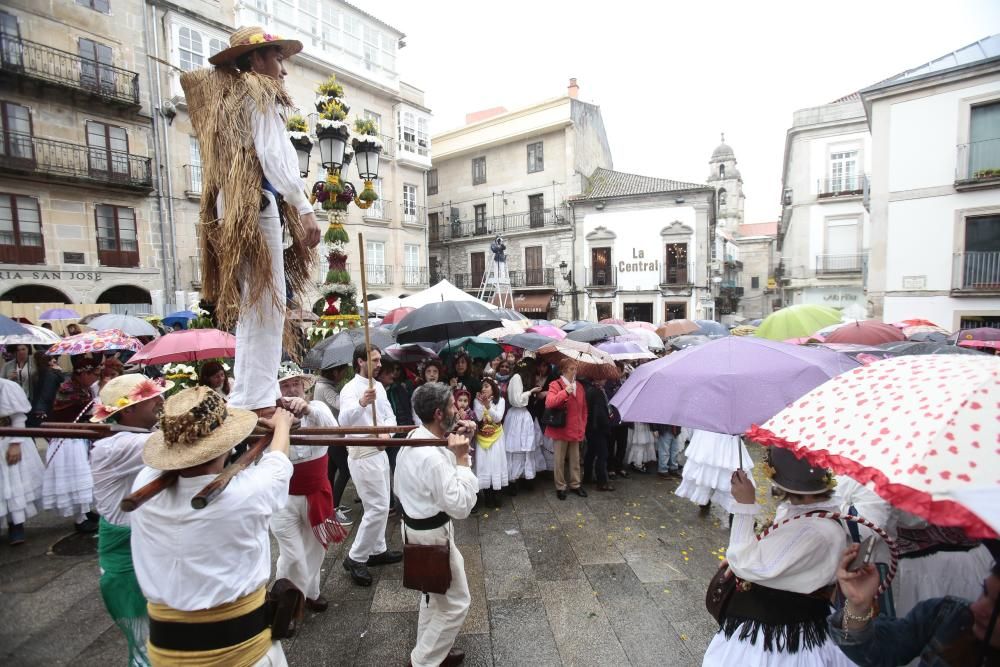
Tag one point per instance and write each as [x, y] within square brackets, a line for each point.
[536, 302]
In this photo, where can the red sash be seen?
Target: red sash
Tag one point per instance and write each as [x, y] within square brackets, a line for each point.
[310, 479]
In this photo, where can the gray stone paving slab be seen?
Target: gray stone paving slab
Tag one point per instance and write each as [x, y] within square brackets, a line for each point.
[579, 624]
[478, 649]
[478, 619]
[698, 632]
[511, 623]
[492, 519]
[387, 640]
[506, 567]
[109, 648]
[391, 596]
[466, 531]
[330, 639]
[538, 521]
[592, 546]
[552, 556]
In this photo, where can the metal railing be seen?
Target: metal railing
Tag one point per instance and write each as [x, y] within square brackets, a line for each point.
[977, 270]
[413, 215]
[70, 70]
[378, 274]
[841, 263]
[851, 184]
[468, 281]
[192, 176]
[33, 155]
[437, 276]
[533, 278]
[601, 277]
[730, 288]
[978, 160]
[414, 275]
[379, 210]
[388, 146]
[502, 224]
[674, 275]
[733, 261]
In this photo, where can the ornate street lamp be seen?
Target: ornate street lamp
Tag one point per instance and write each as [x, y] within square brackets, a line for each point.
[298, 134]
[332, 136]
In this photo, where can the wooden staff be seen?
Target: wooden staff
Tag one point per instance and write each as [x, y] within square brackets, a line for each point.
[326, 441]
[135, 500]
[343, 430]
[69, 433]
[221, 481]
[368, 340]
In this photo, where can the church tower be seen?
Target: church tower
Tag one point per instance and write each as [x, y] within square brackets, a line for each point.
[725, 177]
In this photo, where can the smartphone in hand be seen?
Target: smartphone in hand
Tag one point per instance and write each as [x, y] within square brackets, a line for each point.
[864, 556]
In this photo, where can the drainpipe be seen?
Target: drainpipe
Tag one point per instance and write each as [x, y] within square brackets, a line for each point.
[572, 275]
[154, 103]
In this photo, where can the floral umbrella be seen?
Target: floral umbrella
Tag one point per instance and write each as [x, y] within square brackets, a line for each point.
[922, 429]
[593, 363]
[95, 341]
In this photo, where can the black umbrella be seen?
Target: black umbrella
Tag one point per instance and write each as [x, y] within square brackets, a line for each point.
[901, 348]
[527, 341]
[595, 333]
[929, 337]
[339, 349]
[508, 314]
[445, 320]
[576, 325]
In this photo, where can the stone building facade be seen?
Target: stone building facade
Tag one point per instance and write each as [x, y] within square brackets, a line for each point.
[757, 243]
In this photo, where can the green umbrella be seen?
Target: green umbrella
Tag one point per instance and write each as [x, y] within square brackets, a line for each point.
[797, 321]
[477, 347]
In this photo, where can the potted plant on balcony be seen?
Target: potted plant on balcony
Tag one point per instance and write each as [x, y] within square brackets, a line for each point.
[983, 174]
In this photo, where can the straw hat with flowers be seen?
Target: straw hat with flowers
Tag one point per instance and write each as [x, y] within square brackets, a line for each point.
[196, 427]
[248, 38]
[290, 370]
[125, 391]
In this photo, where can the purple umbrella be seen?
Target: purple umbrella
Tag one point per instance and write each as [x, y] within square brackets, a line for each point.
[625, 350]
[59, 314]
[726, 385]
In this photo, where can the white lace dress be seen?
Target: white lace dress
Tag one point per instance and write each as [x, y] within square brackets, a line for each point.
[711, 459]
[21, 483]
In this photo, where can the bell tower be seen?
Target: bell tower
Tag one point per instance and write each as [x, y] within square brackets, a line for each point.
[725, 177]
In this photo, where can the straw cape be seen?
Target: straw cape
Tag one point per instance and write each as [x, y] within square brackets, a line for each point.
[195, 428]
[219, 102]
[247, 38]
[125, 391]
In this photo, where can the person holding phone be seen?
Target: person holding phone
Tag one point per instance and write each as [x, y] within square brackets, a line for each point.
[777, 614]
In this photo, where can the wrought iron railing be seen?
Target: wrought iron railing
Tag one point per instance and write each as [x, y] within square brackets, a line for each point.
[70, 70]
[851, 184]
[192, 174]
[853, 263]
[388, 146]
[413, 214]
[437, 276]
[413, 275]
[468, 281]
[533, 278]
[379, 210]
[502, 224]
[978, 160]
[34, 155]
[977, 270]
[601, 277]
[674, 275]
[378, 274]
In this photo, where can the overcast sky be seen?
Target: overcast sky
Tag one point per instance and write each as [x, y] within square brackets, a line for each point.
[670, 76]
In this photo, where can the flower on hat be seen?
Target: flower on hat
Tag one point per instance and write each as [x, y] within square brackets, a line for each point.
[101, 411]
[123, 402]
[145, 389]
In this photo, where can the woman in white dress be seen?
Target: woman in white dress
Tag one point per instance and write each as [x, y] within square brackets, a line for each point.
[711, 459]
[491, 456]
[641, 447]
[522, 436]
[777, 615]
[21, 468]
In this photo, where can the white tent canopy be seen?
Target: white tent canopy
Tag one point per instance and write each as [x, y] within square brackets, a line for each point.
[443, 291]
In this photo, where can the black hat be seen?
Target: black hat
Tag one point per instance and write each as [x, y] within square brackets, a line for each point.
[797, 475]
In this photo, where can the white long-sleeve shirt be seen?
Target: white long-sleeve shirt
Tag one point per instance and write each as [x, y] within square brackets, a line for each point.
[277, 157]
[353, 414]
[429, 480]
[319, 417]
[495, 409]
[115, 462]
[515, 392]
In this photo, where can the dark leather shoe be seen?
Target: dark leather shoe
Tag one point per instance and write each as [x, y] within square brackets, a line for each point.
[359, 572]
[385, 558]
[318, 605]
[454, 658]
[579, 491]
[605, 487]
[561, 495]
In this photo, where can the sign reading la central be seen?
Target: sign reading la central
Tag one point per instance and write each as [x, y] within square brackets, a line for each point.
[629, 267]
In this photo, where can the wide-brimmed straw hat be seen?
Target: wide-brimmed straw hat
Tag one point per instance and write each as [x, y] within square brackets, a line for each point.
[248, 38]
[795, 475]
[196, 427]
[125, 391]
[290, 370]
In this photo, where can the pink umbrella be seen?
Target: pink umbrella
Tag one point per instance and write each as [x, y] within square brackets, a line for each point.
[867, 332]
[187, 345]
[980, 344]
[640, 325]
[548, 331]
[396, 314]
[815, 338]
[612, 320]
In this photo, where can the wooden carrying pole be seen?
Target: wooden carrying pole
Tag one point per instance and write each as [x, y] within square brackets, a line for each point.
[221, 481]
[99, 431]
[368, 340]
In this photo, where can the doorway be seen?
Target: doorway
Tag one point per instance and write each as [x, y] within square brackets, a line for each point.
[637, 312]
[600, 263]
[603, 311]
[674, 311]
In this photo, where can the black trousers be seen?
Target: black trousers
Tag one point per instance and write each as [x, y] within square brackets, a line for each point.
[617, 447]
[338, 472]
[595, 459]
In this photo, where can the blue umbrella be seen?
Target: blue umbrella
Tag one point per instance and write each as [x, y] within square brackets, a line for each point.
[9, 327]
[179, 319]
[710, 328]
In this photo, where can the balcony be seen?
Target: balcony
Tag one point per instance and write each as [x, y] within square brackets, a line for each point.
[192, 180]
[379, 211]
[978, 165]
[840, 264]
[976, 272]
[413, 215]
[546, 219]
[731, 289]
[414, 276]
[674, 276]
[388, 146]
[845, 186]
[378, 275]
[437, 276]
[413, 151]
[26, 155]
[468, 281]
[732, 262]
[533, 278]
[23, 59]
[600, 278]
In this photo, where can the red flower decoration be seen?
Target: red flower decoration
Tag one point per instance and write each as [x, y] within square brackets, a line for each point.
[145, 389]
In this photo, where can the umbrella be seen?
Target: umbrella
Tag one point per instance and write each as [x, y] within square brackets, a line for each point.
[338, 350]
[527, 341]
[593, 363]
[756, 323]
[804, 340]
[681, 342]
[645, 337]
[927, 336]
[612, 320]
[924, 329]
[86, 319]
[509, 314]
[577, 324]
[982, 333]
[9, 327]
[625, 351]
[547, 330]
[980, 344]
[444, 320]
[35, 336]
[396, 314]
[95, 341]
[597, 332]
[133, 326]
[477, 347]
[648, 326]
[179, 319]
[59, 314]
[726, 385]
[743, 330]
[796, 321]
[678, 327]
[826, 331]
[506, 328]
[919, 429]
[915, 323]
[711, 328]
[558, 323]
[411, 353]
[867, 332]
[928, 347]
[187, 345]
[301, 315]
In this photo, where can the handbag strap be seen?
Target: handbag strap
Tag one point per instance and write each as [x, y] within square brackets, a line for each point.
[837, 516]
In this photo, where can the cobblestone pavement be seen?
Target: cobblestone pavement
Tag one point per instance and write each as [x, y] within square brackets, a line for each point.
[613, 579]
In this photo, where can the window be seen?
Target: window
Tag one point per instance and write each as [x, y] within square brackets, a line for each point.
[600, 266]
[843, 171]
[15, 123]
[536, 160]
[411, 264]
[536, 210]
[433, 220]
[843, 244]
[984, 137]
[603, 311]
[20, 230]
[410, 203]
[388, 52]
[191, 48]
[376, 271]
[981, 260]
[117, 240]
[377, 210]
[432, 182]
[352, 34]
[478, 170]
[103, 6]
[722, 198]
[674, 311]
[480, 213]
[534, 270]
[93, 74]
[377, 117]
[10, 40]
[423, 145]
[371, 47]
[107, 150]
[331, 25]
[407, 130]
[755, 282]
[477, 262]
[675, 262]
[194, 175]
[722, 171]
[637, 312]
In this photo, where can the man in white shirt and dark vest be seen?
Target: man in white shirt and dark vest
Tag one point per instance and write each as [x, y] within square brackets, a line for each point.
[436, 485]
[369, 466]
[204, 571]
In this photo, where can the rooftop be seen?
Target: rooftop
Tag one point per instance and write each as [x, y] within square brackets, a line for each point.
[758, 229]
[607, 183]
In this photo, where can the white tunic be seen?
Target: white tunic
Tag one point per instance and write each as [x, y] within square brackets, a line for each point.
[353, 414]
[277, 157]
[21, 483]
[193, 559]
[115, 462]
[319, 417]
[429, 480]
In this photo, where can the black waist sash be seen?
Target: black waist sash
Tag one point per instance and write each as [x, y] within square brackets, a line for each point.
[430, 523]
[208, 636]
[787, 621]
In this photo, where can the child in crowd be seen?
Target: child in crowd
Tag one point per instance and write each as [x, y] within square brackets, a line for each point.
[491, 456]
